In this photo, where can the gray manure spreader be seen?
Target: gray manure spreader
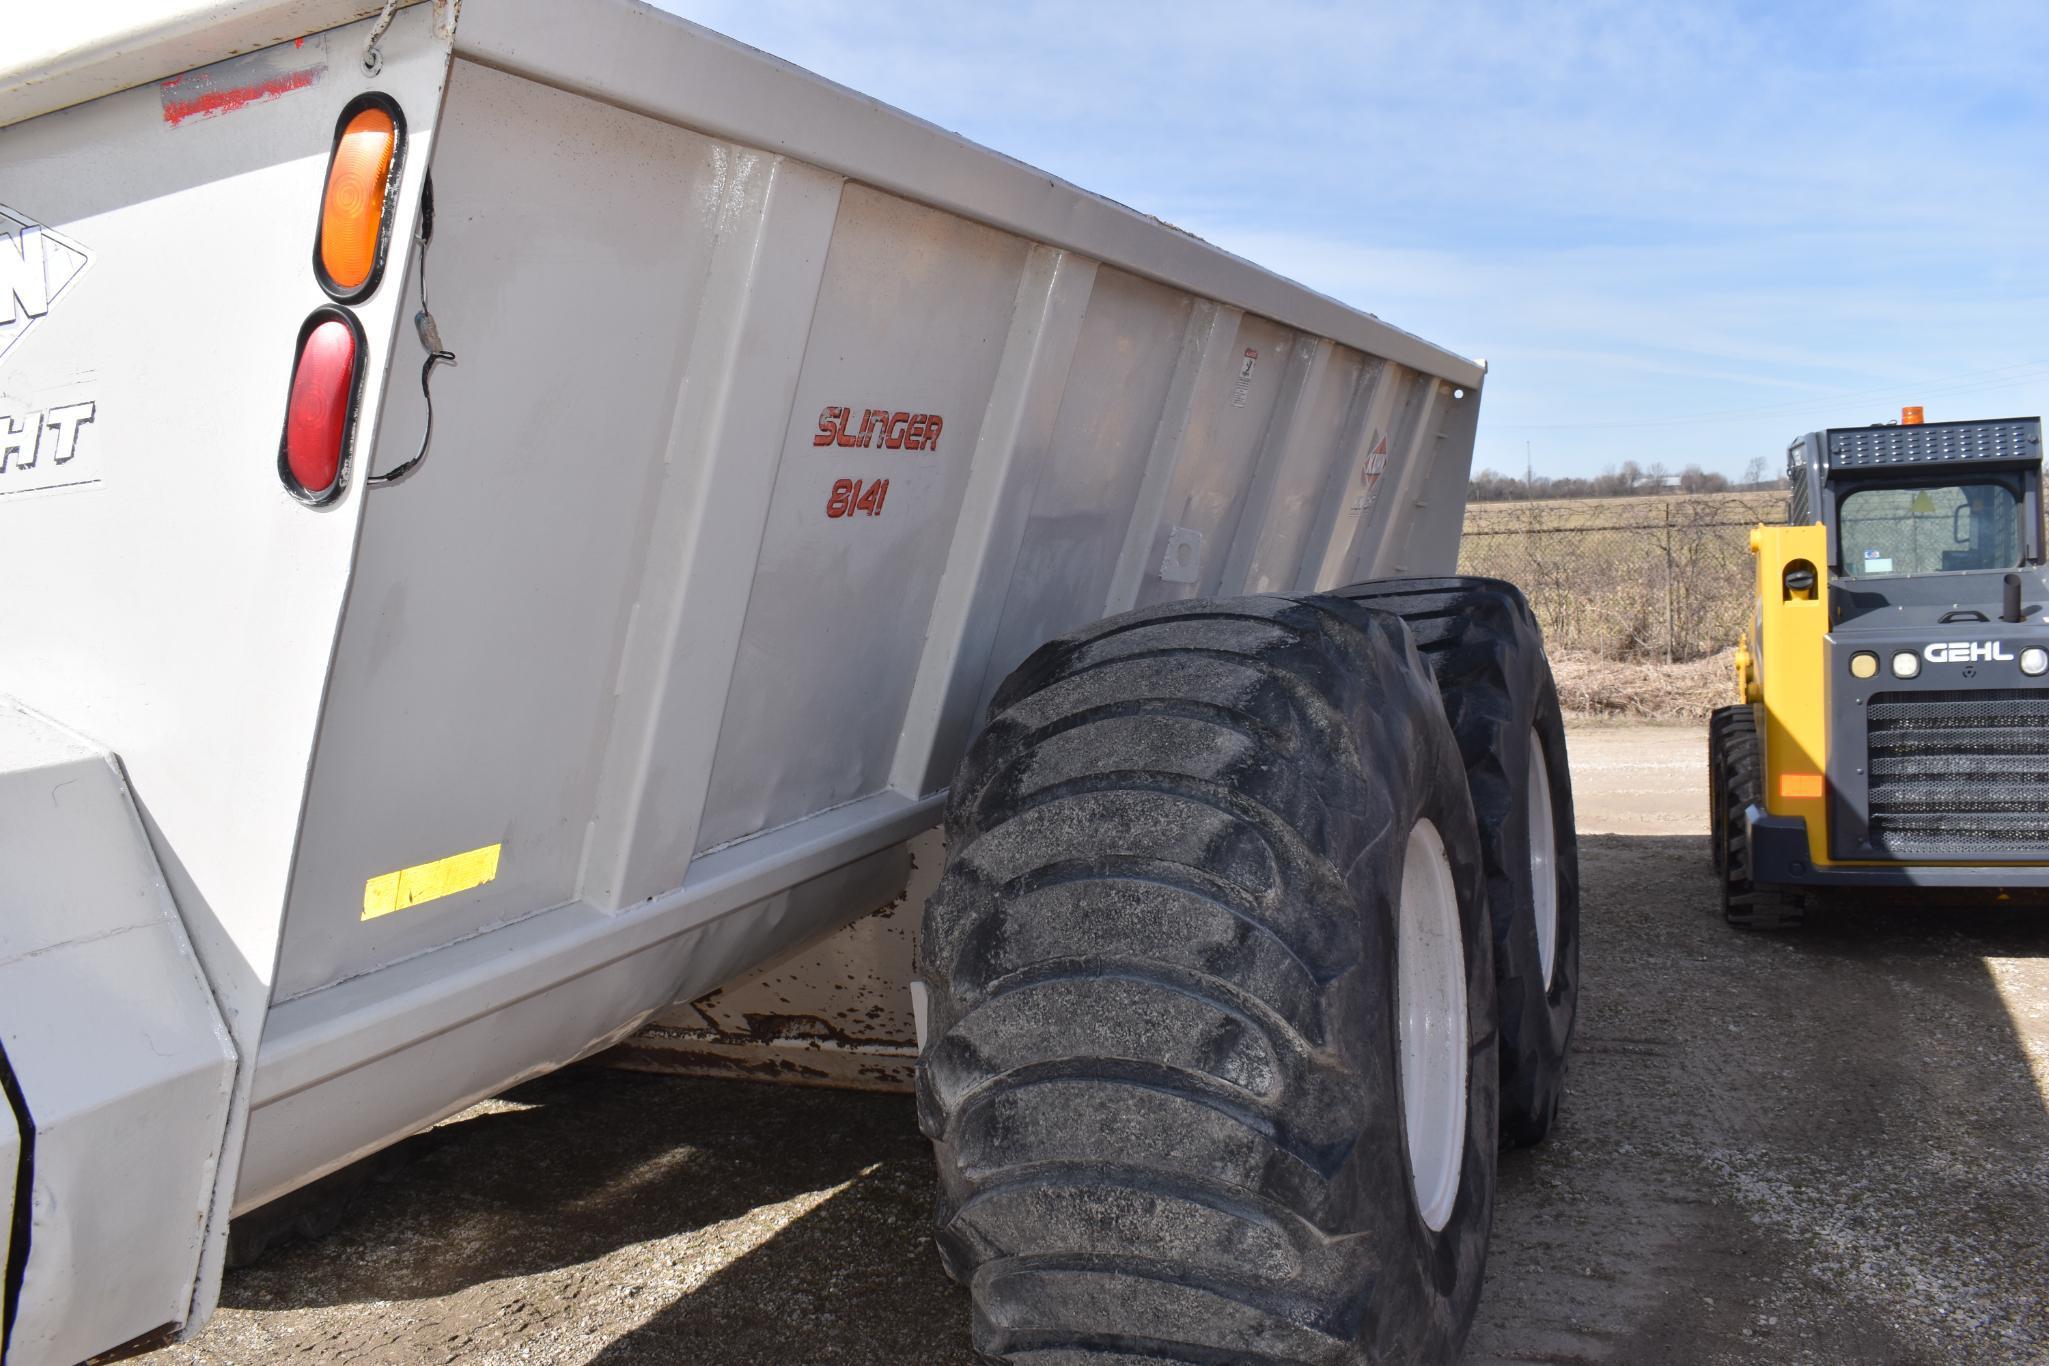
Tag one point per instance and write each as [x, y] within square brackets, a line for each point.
[524, 523]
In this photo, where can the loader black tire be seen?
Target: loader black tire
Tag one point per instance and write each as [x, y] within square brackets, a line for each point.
[1736, 781]
[1486, 650]
[1162, 1073]
[1718, 784]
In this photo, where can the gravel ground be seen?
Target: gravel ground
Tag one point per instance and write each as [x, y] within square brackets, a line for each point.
[1825, 1147]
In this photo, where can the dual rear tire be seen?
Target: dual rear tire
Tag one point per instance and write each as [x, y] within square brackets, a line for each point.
[1485, 651]
[1213, 1040]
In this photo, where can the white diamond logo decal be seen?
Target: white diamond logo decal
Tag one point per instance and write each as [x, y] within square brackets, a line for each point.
[37, 266]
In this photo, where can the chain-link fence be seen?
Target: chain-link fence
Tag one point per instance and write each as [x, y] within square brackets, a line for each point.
[1627, 578]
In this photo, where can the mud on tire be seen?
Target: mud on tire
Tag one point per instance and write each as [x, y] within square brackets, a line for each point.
[1162, 1074]
[1484, 646]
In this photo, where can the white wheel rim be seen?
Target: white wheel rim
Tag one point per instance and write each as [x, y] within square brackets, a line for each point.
[1543, 860]
[1430, 1008]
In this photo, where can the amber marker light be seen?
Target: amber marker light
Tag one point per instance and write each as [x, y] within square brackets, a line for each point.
[355, 207]
[1795, 786]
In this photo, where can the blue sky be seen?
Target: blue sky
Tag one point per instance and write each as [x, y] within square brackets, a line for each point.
[1678, 232]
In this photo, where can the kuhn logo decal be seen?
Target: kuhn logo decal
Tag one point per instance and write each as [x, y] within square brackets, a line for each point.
[37, 266]
[1965, 651]
[39, 451]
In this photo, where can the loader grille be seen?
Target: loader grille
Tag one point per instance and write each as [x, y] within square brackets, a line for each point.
[1960, 774]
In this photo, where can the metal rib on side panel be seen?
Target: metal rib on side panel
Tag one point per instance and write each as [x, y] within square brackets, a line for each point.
[1436, 514]
[1293, 444]
[1010, 454]
[1347, 482]
[1132, 344]
[728, 429]
[1216, 467]
[1199, 374]
[913, 312]
[1394, 439]
[1378, 470]
[1383, 544]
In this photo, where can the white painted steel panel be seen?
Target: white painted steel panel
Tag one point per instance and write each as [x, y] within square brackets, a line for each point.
[1086, 494]
[1211, 477]
[186, 606]
[677, 669]
[1038, 355]
[474, 677]
[1273, 548]
[346, 1070]
[1421, 537]
[120, 1055]
[1382, 546]
[199, 601]
[61, 54]
[911, 318]
[10, 1163]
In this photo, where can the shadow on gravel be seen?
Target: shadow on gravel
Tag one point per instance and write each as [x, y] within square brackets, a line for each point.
[1826, 1145]
[1823, 1146]
[591, 1161]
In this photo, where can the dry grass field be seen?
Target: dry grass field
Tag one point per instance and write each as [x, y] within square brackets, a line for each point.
[1664, 580]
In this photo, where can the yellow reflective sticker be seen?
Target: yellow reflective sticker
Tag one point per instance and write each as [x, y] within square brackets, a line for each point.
[426, 881]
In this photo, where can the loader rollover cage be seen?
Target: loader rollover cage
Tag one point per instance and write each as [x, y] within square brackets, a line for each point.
[783, 432]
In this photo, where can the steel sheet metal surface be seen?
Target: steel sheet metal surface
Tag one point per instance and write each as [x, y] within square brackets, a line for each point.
[782, 426]
[911, 319]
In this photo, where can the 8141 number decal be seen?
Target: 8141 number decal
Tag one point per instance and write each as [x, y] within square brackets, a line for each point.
[850, 496]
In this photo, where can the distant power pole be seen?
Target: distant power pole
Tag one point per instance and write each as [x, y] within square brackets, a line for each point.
[1529, 479]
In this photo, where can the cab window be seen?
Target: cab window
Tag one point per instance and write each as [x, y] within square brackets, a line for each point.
[1888, 532]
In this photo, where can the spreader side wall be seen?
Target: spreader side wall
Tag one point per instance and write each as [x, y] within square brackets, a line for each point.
[768, 450]
[475, 677]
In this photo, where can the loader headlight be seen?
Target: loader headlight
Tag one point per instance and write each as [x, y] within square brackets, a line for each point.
[1864, 664]
[2035, 662]
[1906, 664]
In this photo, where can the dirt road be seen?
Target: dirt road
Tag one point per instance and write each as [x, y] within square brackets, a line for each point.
[1825, 1147]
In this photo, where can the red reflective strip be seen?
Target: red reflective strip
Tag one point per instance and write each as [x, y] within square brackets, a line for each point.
[317, 421]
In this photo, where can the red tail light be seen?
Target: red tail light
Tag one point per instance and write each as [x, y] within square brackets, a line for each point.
[313, 458]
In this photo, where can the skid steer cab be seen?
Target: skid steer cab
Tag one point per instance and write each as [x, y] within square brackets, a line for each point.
[1892, 727]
